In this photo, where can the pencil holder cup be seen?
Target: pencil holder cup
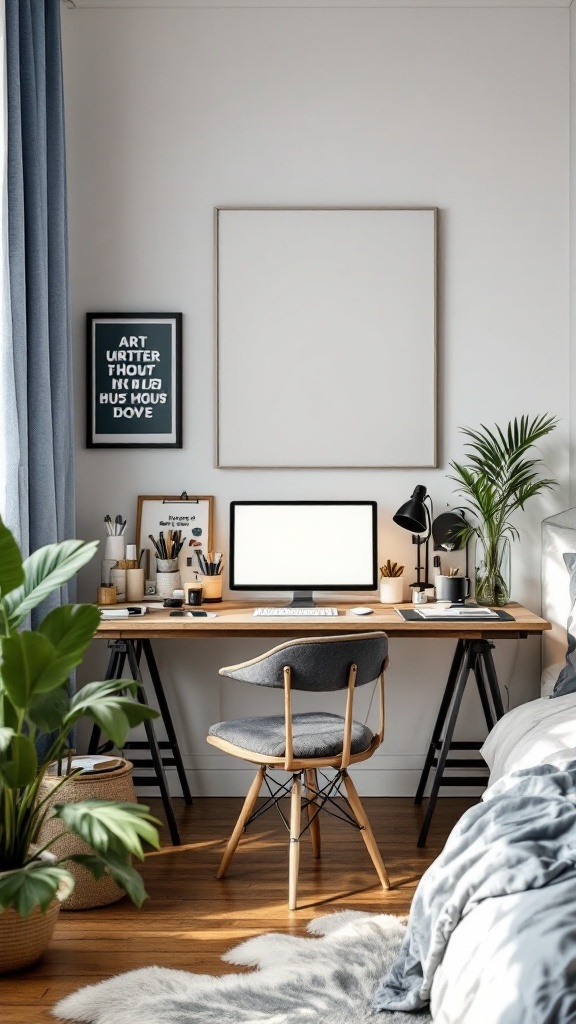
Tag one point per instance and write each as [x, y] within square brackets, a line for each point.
[211, 588]
[391, 589]
[134, 584]
[106, 595]
[118, 577]
[114, 548]
[167, 565]
[167, 583]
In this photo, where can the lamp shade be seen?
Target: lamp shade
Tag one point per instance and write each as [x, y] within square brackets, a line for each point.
[412, 515]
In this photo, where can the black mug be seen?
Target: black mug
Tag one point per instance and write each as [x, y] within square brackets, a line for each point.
[454, 589]
[194, 596]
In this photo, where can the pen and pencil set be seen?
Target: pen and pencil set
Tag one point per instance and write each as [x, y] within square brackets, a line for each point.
[211, 565]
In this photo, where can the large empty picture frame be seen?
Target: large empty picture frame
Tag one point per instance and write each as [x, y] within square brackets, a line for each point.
[326, 337]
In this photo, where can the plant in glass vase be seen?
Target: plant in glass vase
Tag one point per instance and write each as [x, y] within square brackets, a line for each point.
[498, 479]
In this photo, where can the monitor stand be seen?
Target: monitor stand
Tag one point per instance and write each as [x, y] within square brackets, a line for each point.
[302, 599]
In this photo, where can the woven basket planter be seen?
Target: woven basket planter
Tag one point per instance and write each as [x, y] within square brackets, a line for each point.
[24, 939]
[114, 785]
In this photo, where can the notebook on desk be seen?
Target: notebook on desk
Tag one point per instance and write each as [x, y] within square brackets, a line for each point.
[435, 614]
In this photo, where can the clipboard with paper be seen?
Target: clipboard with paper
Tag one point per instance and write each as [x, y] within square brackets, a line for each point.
[183, 523]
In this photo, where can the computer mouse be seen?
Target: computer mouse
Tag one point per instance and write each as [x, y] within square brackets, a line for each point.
[361, 611]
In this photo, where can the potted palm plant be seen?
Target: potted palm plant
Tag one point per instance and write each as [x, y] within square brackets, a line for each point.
[499, 478]
[35, 705]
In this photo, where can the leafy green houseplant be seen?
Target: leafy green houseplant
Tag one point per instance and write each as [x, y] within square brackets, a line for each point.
[35, 704]
[498, 479]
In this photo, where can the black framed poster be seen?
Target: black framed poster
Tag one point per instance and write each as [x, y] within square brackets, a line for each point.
[134, 380]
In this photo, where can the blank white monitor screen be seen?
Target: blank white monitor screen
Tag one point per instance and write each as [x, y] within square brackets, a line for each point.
[303, 545]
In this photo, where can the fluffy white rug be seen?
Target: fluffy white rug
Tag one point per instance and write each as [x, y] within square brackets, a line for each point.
[329, 979]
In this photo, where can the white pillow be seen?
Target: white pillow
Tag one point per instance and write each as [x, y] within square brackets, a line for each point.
[543, 731]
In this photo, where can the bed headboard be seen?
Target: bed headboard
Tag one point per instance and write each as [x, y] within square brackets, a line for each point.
[558, 537]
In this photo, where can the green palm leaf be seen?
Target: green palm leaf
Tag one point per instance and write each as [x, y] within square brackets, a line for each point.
[45, 571]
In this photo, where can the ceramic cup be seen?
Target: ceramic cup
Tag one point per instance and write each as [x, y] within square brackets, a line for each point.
[114, 548]
[211, 588]
[167, 583]
[167, 565]
[195, 594]
[134, 584]
[454, 589]
[419, 597]
[391, 589]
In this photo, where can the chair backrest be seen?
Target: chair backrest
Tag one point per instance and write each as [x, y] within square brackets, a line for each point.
[316, 663]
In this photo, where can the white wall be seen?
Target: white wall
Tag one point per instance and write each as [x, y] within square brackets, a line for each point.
[172, 112]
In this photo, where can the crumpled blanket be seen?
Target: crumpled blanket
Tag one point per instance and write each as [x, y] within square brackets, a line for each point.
[521, 837]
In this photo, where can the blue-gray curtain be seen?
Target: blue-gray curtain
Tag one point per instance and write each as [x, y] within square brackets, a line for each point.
[40, 499]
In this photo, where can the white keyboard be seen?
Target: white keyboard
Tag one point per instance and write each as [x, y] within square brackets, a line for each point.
[296, 613]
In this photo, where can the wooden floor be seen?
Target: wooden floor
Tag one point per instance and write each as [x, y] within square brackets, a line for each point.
[191, 919]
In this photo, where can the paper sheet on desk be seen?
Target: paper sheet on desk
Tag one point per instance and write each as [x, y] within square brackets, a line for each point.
[448, 611]
[123, 613]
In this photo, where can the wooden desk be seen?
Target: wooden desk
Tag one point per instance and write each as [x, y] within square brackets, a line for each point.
[131, 638]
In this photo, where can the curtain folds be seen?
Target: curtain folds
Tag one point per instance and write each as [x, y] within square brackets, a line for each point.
[39, 473]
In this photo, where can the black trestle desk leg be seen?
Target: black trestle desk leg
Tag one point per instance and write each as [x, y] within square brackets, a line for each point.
[492, 678]
[442, 714]
[481, 683]
[465, 669]
[166, 718]
[113, 671]
[161, 780]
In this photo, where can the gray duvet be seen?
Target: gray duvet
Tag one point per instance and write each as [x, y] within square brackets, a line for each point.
[507, 879]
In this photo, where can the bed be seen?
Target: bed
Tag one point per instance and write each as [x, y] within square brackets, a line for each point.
[492, 931]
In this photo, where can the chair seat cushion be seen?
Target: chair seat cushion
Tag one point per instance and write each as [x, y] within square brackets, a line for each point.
[315, 734]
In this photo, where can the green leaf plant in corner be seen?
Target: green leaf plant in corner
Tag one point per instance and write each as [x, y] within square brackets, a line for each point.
[497, 480]
[35, 702]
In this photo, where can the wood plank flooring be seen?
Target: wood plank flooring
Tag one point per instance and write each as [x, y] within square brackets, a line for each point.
[191, 918]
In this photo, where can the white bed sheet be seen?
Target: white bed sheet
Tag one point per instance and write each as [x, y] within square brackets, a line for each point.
[541, 731]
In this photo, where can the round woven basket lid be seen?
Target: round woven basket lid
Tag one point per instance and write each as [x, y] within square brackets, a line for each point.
[87, 764]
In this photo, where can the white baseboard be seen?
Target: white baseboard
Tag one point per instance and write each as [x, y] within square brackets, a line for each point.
[369, 781]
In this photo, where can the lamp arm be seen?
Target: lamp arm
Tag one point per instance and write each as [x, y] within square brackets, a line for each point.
[430, 515]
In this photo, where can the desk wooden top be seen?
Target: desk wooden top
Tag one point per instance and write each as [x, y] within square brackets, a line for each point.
[235, 618]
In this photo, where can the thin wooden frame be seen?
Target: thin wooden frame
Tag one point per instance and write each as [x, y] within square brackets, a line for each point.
[326, 337]
[183, 511]
[134, 380]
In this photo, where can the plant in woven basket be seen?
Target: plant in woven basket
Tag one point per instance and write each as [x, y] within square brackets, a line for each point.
[35, 703]
[498, 480]
[391, 569]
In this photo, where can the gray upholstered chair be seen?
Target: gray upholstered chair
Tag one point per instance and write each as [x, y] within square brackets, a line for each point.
[303, 743]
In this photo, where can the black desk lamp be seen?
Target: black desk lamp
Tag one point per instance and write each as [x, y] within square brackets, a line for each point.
[448, 532]
[415, 516]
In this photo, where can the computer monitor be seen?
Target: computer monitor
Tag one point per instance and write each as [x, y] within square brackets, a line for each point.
[302, 546]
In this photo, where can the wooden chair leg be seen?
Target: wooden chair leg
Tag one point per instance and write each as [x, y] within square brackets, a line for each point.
[313, 815]
[241, 823]
[366, 831]
[294, 857]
